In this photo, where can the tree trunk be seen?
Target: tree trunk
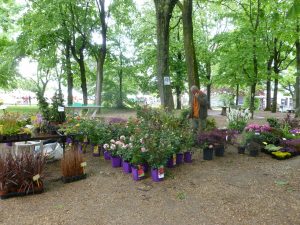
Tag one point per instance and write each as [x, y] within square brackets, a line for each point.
[189, 47]
[102, 54]
[178, 97]
[69, 73]
[275, 93]
[254, 82]
[269, 72]
[237, 94]
[208, 87]
[276, 71]
[83, 79]
[297, 86]
[164, 10]
[252, 99]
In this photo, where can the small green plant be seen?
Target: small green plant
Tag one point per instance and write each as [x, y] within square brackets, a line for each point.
[273, 122]
[55, 115]
[181, 195]
[43, 105]
[211, 124]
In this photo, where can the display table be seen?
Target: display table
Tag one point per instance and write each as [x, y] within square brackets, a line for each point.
[60, 138]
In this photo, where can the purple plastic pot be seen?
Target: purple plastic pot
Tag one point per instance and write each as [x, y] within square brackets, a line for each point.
[96, 151]
[145, 167]
[188, 157]
[179, 158]
[68, 140]
[157, 174]
[115, 161]
[138, 172]
[79, 147]
[172, 161]
[126, 167]
[106, 155]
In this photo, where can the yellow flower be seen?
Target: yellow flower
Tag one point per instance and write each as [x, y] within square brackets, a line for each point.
[77, 125]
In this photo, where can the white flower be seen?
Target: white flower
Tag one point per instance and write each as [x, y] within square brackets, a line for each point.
[122, 138]
[130, 145]
[112, 141]
[131, 138]
[143, 149]
[106, 146]
[113, 146]
[119, 143]
[142, 141]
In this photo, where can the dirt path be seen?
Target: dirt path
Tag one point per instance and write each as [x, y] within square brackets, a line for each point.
[235, 189]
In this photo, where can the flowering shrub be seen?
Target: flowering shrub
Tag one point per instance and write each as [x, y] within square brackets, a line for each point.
[258, 128]
[237, 119]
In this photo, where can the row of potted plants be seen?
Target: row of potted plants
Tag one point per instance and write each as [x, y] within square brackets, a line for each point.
[12, 127]
[135, 158]
[279, 138]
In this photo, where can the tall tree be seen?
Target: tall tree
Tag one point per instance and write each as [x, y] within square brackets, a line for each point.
[189, 46]
[164, 9]
[102, 50]
[294, 14]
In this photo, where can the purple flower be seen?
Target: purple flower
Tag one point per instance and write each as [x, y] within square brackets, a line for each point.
[117, 120]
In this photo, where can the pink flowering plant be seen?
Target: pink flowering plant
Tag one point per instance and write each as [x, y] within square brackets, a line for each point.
[258, 128]
[139, 149]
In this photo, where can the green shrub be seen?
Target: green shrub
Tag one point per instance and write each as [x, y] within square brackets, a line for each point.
[246, 103]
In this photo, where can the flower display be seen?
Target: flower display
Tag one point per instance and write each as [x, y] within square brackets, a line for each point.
[238, 119]
[258, 128]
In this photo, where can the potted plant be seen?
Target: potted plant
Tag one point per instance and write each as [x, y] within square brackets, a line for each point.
[139, 156]
[126, 154]
[112, 149]
[21, 175]
[158, 154]
[237, 119]
[187, 142]
[73, 165]
[253, 148]
[205, 142]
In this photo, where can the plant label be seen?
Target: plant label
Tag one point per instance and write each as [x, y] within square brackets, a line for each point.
[36, 177]
[61, 109]
[83, 164]
[96, 149]
[174, 159]
[85, 139]
[141, 172]
[161, 172]
[167, 81]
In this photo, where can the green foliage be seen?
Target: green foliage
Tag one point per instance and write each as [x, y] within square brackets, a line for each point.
[43, 105]
[55, 115]
[246, 103]
[211, 124]
[273, 122]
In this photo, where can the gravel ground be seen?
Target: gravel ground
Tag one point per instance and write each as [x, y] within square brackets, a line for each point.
[234, 189]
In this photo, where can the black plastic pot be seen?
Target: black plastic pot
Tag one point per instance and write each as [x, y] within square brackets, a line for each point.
[253, 152]
[208, 153]
[241, 149]
[219, 150]
[73, 178]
